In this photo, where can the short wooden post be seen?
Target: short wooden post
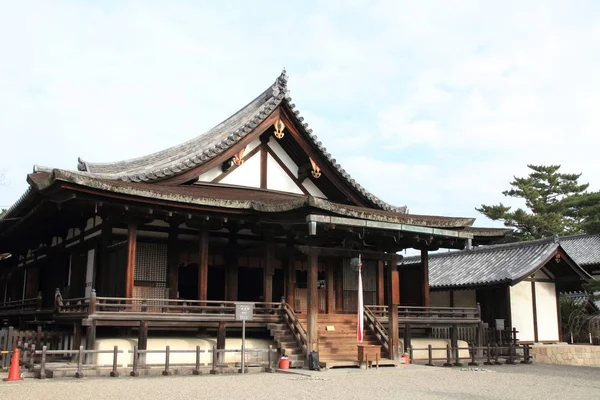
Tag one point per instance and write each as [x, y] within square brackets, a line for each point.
[410, 355]
[79, 373]
[496, 355]
[457, 362]
[448, 362]
[92, 306]
[114, 373]
[489, 356]
[214, 361]
[166, 372]
[526, 355]
[429, 356]
[32, 356]
[473, 362]
[269, 360]
[134, 371]
[197, 369]
[511, 359]
[43, 364]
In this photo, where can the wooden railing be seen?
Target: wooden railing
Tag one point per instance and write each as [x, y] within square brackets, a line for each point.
[430, 314]
[289, 316]
[469, 335]
[76, 305]
[31, 304]
[377, 328]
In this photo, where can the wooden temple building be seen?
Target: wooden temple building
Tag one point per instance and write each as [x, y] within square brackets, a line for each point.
[255, 209]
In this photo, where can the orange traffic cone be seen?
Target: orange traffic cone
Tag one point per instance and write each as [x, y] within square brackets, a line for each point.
[14, 374]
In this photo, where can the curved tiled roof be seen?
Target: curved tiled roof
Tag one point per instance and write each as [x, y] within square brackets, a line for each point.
[583, 249]
[197, 151]
[487, 265]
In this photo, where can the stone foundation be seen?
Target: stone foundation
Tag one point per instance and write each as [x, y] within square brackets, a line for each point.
[564, 354]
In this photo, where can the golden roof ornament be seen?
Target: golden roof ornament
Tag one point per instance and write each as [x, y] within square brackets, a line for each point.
[316, 171]
[279, 127]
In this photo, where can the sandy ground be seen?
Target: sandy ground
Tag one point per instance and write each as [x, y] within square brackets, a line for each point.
[415, 382]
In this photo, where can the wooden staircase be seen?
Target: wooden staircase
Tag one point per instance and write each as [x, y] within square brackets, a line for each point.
[339, 345]
[286, 342]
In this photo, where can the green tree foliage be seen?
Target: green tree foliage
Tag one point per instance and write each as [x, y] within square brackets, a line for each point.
[555, 204]
[2, 211]
[585, 209]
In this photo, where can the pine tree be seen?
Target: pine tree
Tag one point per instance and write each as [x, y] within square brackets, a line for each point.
[545, 191]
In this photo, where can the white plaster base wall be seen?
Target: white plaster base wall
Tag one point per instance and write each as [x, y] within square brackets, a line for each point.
[564, 354]
[181, 343]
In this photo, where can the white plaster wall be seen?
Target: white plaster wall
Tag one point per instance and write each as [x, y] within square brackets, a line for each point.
[439, 299]
[547, 316]
[465, 298]
[278, 179]
[211, 174]
[281, 153]
[247, 174]
[521, 308]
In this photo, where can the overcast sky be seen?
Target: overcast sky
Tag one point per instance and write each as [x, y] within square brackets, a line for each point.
[430, 104]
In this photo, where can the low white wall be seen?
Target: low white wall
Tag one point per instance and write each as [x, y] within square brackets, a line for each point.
[180, 343]
[422, 343]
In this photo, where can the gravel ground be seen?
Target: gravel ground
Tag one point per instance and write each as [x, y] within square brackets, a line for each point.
[499, 382]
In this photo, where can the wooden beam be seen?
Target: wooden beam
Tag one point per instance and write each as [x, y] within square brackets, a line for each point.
[312, 301]
[173, 261]
[558, 314]
[143, 340]
[131, 251]
[268, 272]
[263, 165]
[203, 267]
[330, 289]
[221, 338]
[344, 253]
[534, 307]
[425, 271]
[380, 281]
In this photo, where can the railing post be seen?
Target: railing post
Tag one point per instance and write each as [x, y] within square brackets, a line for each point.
[166, 372]
[457, 362]
[430, 356]
[473, 362]
[135, 371]
[114, 373]
[92, 305]
[448, 362]
[197, 369]
[32, 357]
[79, 373]
[38, 304]
[43, 364]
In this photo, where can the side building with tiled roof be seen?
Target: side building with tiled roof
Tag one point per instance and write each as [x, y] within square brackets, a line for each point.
[517, 285]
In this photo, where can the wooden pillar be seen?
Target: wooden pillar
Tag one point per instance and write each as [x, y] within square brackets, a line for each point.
[380, 280]
[221, 335]
[558, 314]
[268, 271]
[312, 300]
[203, 266]
[339, 286]
[90, 340]
[143, 340]
[425, 271]
[131, 249]
[106, 285]
[232, 278]
[173, 261]
[393, 301]
[291, 282]
[76, 337]
[330, 289]
[407, 337]
[534, 308]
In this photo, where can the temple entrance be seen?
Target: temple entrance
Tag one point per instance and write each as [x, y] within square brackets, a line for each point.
[278, 285]
[216, 283]
[188, 282]
[250, 284]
